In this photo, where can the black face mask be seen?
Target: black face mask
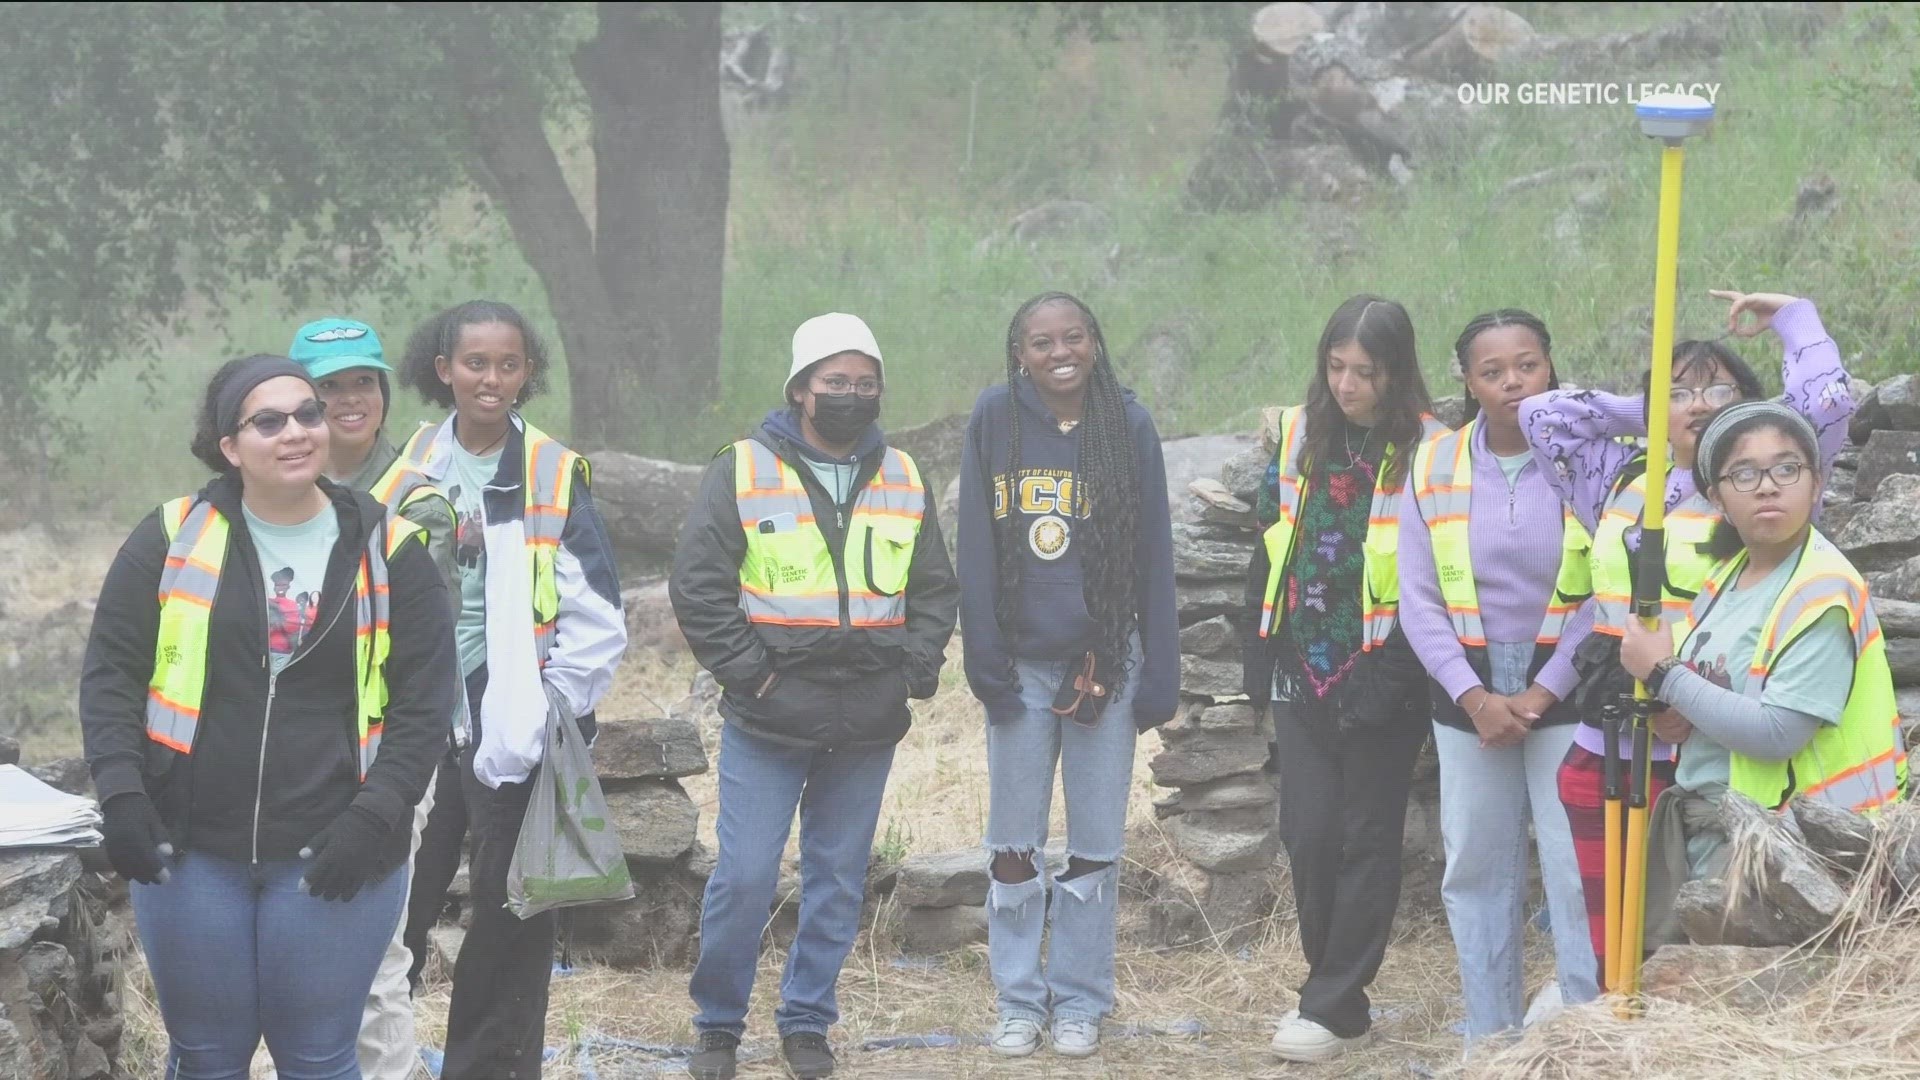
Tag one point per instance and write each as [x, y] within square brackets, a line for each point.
[840, 418]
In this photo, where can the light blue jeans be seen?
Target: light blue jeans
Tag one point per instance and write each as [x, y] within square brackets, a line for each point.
[1487, 798]
[838, 794]
[1075, 980]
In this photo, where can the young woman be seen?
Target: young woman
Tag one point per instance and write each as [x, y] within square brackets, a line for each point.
[258, 780]
[1349, 698]
[1493, 576]
[344, 358]
[1577, 437]
[540, 630]
[813, 507]
[1066, 555]
[1780, 686]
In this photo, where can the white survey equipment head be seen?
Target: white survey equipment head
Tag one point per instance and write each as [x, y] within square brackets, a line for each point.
[1673, 116]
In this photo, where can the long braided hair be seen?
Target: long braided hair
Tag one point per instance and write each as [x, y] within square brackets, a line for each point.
[1491, 320]
[1106, 484]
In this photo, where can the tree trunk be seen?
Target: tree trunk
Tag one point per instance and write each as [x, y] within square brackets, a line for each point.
[661, 166]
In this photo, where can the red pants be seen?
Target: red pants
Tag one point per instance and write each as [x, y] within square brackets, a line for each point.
[1582, 786]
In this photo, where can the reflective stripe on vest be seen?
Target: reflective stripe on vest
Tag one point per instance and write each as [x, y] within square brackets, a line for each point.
[197, 536]
[1856, 764]
[788, 577]
[1443, 491]
[547, 498]
[1380, 577]
[1689, 525]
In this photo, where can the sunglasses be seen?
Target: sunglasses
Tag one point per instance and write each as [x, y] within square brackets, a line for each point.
[270, 422]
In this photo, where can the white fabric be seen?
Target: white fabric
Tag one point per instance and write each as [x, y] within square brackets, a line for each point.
[829, 335]
[589, 638]
[513, 710]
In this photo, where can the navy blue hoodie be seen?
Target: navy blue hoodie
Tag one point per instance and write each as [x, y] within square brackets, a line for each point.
[1052, 622]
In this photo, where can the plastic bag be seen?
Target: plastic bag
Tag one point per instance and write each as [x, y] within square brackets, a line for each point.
[568, 853]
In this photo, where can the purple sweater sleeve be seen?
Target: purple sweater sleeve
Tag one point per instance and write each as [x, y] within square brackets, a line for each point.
[1574, 435]
[1423, 615]
[1557, 676]
[1815, 379]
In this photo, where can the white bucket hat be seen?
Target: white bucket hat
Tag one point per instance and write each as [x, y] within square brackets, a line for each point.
[830, 335]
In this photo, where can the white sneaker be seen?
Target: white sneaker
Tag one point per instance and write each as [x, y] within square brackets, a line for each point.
[1076, 1038]
[1016, 1036]
[1300, 1039]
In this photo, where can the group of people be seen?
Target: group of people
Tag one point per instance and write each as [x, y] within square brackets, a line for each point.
[289, 792]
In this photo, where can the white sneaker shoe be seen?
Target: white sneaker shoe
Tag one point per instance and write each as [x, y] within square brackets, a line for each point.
[1300, 1039]
[1016, 1036]
[1076, 1038]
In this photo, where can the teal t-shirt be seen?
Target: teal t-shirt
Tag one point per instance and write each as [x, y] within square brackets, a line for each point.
[466, 479]
[1811, 676]
[837, 479]
[1511, 464]
[293, 563]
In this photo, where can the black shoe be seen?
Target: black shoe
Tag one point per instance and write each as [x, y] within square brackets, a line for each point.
[715, 1059]
[807, 1055]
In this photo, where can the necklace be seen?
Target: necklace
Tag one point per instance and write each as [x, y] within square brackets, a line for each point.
[1354, 459]
[482, 452]
[1067, 426]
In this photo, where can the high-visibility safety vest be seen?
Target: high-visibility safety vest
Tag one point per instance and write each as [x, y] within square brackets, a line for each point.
[790, 576]
[404, 485]
[1380, 579]
[196, 551]
[547, 492]
[1443, 490]
[1689, 525]
[1857, 763]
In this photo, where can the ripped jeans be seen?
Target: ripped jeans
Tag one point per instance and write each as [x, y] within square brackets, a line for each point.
[1075, 981]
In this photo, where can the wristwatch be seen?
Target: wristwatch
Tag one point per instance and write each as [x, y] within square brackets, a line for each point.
[1657, 678]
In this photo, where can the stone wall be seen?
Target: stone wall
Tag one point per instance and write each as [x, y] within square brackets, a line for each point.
[60, 969]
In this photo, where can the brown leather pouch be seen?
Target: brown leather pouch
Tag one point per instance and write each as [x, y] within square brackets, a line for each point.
[1082, 696]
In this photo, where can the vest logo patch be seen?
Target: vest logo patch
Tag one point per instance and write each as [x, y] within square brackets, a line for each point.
[170, 655]
[1048, 537]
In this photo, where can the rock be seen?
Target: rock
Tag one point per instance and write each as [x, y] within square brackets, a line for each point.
[49, 968]
[1217, 506]
[1907, 703]
[1203, 716]
[1199, 758]
[1281, 28]
[70, 775]
[32, 880]
[1842, 488]
[1834, 516]
[942, 879]
[40, 661]
[1867, 417]
[106, 1031]
[643, 502]
[928, 930]
[1797, 901]
[1214, 639]
[1887, 533]
[702, 706]
[1887, 453]
[1061, 218]
[1248, 791]
[1747, 980]
[1900, 583]
[1898, 618]
[1837, 833]
[1903, 657]
[1245, 472]
[655, 819]
[657, 928]
[1188, 906]
[1903, 850]
[642, 748]
[1451, 411]
[1196, 603]
[650, 620]
[1215, 678]
[9, 750]
[1899, 402]
[1195, 458]
[88, 1062]
[935, 448]
[1201, 556]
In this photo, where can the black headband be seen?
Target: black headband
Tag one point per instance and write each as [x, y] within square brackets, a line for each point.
[251, 373]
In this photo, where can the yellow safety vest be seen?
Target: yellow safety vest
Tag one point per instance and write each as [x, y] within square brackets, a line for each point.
[1443, 490]
[1380, 579]
[1689, 525]
[403, 485]
[196, 553]
[548, 496]
[789, 576]
[1857, 763]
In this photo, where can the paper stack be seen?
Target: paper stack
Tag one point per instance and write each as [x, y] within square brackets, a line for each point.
[32, 814]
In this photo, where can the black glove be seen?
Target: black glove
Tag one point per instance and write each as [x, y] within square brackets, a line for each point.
[343, 855]
[136, 841]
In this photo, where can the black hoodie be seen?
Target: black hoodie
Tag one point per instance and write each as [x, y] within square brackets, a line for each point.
[260, 783]
[1052, 622]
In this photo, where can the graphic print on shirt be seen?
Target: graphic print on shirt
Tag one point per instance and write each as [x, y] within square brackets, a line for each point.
[1050, 497]
[290, 614]
[469, 534]
[1713, 670]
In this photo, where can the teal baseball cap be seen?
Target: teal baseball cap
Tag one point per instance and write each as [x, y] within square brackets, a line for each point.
[325, 346]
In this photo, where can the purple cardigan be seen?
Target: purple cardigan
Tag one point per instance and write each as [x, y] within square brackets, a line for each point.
[1515, 565]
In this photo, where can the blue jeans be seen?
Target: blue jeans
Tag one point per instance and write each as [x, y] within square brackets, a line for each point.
[838, 793]
[1487, 798]
[1096, 768]
[236, 956]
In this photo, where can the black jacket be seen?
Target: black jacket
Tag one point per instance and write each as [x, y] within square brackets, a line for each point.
[259, 784]
[835, 686]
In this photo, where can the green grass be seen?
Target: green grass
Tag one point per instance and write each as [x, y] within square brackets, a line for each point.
[872, 191]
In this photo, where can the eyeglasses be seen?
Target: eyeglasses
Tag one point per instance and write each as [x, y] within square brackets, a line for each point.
[1747, 477]
[840, 384]
[270, 422]
[1715, 396]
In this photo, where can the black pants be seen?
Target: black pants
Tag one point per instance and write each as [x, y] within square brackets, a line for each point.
[436, 863]
[1343, 808]
[496, 1022]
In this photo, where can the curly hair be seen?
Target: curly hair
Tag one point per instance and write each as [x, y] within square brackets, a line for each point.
[440, 336]
[1105, 488]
